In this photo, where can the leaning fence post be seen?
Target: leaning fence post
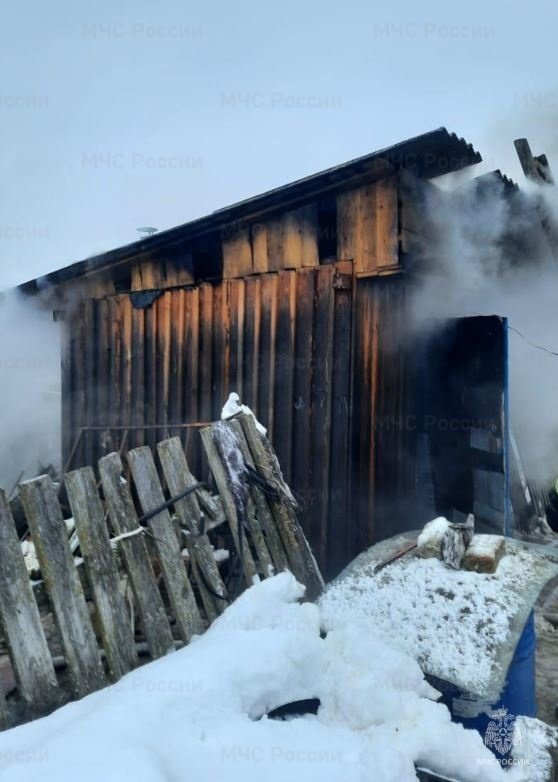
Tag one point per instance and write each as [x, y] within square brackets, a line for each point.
[62, 581]
[21, 621]
[179, 478]
[136, 557]
[229, 505]
[94, 543]
[179, 589]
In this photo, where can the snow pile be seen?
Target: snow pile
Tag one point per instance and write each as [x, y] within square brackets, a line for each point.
[200, 713]
[535, 738]
[449, 621]
[433, 533]
[233, 408]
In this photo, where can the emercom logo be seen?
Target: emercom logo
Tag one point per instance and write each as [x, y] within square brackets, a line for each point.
[502, 733]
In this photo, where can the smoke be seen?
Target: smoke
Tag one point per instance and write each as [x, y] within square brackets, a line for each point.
[487, 254]
[30, 389]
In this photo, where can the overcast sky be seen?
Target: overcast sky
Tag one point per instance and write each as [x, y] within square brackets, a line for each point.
[115, 115]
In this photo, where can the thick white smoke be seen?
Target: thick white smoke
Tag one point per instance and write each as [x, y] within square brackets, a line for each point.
[29, 389]
[487, 255]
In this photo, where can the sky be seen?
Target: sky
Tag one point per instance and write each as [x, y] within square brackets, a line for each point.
[115, 116]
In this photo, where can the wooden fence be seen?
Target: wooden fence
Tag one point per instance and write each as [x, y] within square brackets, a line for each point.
[134, 532]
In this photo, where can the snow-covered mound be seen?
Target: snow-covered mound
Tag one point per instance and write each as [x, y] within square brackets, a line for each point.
[459, 626]
[199, 715]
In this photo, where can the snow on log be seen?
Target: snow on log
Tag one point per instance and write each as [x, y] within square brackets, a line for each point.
[429, 543]
[484, 553]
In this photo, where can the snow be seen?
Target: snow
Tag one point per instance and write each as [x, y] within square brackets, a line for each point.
[535, 737]
[433, 532]
[233, 408]
[199, 714]
[219, 554]
[30, 557]
[452, 622]
[484, 545]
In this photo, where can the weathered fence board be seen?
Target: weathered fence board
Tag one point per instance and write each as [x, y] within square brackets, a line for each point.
[179, 478]
[21, 622]
[236, 526]
[263, 511]
[179, 589]
[300, 555]
[136, 557]
[226, 438]
[114, 625]
[255, 522]
[61, 578]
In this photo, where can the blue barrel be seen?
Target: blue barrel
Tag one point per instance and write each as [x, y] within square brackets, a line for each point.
[517, 698]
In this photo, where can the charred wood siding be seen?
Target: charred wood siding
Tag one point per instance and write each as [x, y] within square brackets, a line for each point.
[281, 340]
[303, 321]
[368, 227]
[384, 422]
[286, 241]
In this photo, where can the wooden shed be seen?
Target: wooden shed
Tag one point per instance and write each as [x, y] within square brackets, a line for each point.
[295, 300]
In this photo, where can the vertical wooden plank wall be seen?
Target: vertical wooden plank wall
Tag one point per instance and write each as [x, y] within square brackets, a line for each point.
[368, 227]
[281, 340]
[384, 436]
[308, 354]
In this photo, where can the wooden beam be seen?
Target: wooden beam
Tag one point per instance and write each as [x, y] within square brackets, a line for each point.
[537, 169]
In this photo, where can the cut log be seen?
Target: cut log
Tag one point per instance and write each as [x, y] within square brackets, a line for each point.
[453, 547]
[484, 553]
[429, 543]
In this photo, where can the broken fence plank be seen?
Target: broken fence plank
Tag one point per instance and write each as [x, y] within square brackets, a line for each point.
[179, 478]
[94, 541]
[179, 589]
[229, 505]
[124, 520]
[262, 509]
[212, 508]
[22, 626]
[225, 437]
[61, 578]
[301, 558]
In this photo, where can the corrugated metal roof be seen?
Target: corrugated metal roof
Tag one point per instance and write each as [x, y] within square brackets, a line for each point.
[428, 155]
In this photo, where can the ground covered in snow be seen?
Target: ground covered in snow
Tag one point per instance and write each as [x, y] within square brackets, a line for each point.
[199, 715]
